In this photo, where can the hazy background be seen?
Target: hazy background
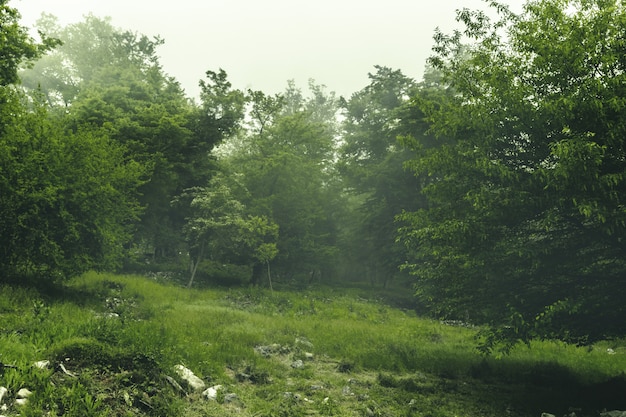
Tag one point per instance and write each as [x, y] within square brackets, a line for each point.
[263, 43]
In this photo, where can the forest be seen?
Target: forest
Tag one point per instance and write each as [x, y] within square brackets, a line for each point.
[493, 188]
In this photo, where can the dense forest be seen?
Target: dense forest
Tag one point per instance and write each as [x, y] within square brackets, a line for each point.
[494, 187]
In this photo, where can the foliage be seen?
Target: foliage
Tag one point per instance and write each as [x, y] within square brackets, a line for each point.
[110, 79]
[88, 47]
[16, 45]
[286, 165]
[68, 198]
[372, 166]
[399, 364]
[220, 228]
[525, 209]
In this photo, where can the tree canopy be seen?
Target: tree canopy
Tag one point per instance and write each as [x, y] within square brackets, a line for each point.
[68, 198]
[526, 214]
[494, 186]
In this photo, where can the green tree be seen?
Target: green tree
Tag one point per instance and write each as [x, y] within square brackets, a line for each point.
[111, 79]
[525, 223]
[286, 160]
[16, 45]
[372, 167]
[88, 47]
[220, 229]
[69, 199]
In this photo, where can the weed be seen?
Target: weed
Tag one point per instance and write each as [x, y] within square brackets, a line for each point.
[360, 356]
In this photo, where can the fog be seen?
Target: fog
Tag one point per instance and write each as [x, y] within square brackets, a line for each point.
[262, 44]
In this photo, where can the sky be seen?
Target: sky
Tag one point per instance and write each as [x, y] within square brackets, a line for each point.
[262, 44]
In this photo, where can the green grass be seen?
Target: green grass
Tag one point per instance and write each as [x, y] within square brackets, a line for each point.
[119, 337]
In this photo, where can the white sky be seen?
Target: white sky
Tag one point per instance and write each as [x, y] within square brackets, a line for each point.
[263, 43]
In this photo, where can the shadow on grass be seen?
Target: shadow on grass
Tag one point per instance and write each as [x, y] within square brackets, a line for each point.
[532, 388]
[54, 291]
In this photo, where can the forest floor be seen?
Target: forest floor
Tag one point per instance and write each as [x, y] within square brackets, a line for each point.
[109, 345]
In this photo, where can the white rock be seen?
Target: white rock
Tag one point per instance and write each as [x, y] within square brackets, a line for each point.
[42, 364]
[21, 401]
[24, 393]
[211, 392]
[194, 382]
[3, 392]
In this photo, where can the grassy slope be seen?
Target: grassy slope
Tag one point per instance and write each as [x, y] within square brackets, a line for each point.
[369, 359]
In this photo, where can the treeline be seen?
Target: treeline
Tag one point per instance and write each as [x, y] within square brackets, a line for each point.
[494, 185]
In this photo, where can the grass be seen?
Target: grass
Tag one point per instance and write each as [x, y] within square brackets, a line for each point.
[119, 337]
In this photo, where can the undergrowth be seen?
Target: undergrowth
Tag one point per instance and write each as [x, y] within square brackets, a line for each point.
[112, 342]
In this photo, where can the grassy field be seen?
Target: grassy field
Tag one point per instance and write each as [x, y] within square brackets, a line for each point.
[113, 342]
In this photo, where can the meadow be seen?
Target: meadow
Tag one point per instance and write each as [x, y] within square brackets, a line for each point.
[112, 342]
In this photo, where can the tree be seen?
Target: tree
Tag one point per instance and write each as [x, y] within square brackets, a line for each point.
[525, 219]
[87, 48]
[16, 45]
[69, 199]
[220, 229]
[372, 167]
[286, 161]
[111, 79]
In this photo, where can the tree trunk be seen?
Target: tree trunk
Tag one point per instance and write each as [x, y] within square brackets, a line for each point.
[269, 276]
[195, 267]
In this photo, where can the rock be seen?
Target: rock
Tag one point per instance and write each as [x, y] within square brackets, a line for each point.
[42, 364]
[303, 341]
[24, 393]
[3, 392]
[308, 356]
[211, 392]
[108, 316]
[186, 375]
[610, 351]
[231, 398]
[21, 401]
[273, 349]
[614, 413]
[291, 396]
[299, 364]
[547, 415]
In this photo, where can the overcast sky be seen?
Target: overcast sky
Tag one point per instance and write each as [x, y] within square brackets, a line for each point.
[263, 43]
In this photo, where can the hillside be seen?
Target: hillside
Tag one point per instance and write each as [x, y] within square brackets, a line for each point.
[105, 345]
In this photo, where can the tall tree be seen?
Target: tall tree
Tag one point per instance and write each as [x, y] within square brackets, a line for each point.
[16, 45]
[68, 199]
[372, 165]
[220, 229]
[111, 79]
[287, 164]
[525, 224]
[88, 47]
